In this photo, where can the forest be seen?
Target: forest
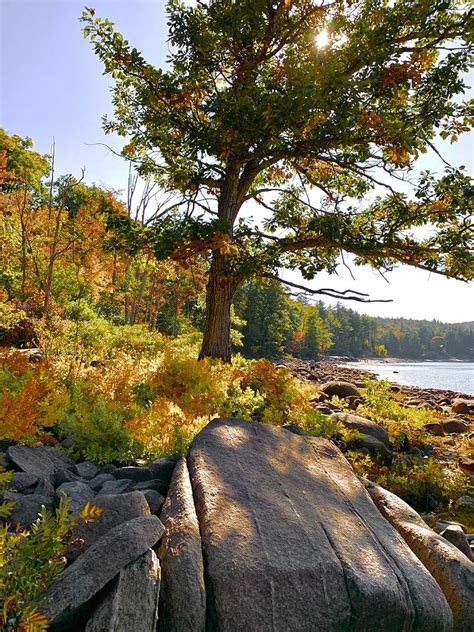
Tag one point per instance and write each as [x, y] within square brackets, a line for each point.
[64, 261]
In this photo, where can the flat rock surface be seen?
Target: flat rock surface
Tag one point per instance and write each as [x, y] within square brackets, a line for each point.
[451, 568]
[183, 596]
[100, 564]
[292, 541]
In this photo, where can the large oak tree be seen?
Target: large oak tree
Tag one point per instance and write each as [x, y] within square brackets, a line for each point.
[315, 111]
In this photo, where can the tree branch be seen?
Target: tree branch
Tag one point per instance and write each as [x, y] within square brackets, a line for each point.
[346, 295]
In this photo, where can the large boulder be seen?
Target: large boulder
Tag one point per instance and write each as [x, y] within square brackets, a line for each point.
[292, 541]
[132, 602]
[33, 461]
[79, 492]
[27, 507]
[451, 568]
[455, 426]
[98, 566]
[454, 533]
[374, 437]
[462, 406]
[340, 389]
[183, 595]
[117, 508]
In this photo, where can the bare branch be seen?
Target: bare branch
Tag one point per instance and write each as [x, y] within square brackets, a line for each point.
[346, 295]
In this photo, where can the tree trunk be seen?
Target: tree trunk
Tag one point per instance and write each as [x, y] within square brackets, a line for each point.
[221, 289]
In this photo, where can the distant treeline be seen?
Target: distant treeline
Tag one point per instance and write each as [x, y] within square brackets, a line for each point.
[276, 324]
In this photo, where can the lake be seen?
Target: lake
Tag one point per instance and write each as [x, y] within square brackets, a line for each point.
[452, 376]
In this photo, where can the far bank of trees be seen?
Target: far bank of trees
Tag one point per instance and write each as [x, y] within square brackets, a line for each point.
[276, 324]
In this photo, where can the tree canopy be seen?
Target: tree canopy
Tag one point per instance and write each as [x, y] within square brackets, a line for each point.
[314, 111]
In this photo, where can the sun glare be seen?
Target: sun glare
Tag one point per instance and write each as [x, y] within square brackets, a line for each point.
[322, 39]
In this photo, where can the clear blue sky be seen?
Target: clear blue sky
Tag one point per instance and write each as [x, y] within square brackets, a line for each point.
[52, 85]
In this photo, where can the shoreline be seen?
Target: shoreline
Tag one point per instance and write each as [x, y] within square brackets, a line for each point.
[326, 371]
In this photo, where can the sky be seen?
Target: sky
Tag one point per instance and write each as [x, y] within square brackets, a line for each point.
[51, 85]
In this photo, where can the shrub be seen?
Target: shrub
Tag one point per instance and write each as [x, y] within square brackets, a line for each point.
[29, 398]
[425, 485]
[380, 406]
[30, 560]
[97, 426]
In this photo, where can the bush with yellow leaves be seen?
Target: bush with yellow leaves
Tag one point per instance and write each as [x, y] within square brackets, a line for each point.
[31, 559]
[29, 398]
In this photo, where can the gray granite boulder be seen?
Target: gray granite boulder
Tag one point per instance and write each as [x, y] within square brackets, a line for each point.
[116, 487]
[374, 437]
[454, 533]
[79, 492]
[27, 507]
[131, 605]
[118, 508]
[155, 500]
[292, 541]
[32, 461]
[183, 594]
[452, 570]
[87, 469]
[21, 481]
[134, 473]
[99, 565]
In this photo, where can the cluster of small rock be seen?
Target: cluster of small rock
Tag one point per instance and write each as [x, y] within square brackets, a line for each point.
[113, 578]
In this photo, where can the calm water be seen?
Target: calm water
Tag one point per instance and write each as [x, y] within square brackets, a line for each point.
[453, 376]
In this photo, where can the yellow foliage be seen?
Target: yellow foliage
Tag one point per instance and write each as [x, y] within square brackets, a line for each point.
[90, 512]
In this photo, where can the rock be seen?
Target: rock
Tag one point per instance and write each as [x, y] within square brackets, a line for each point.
[20, 481]
[455, 426]
[58, 457]
[108, 468]
[27, 507]
[155, 501]
[87, 469]
[135, 474]
[118, 508]
[466, 466]
[116, 487]
[325, 410]
[341, 389]
[434, 428]
[97, 482]
[99, 565]
[183, 594]
[279, 515]
[455, 535]
[32, 461]
[465, 502]
[157, 484]
[65, 476]
[80, 493]
[451, 569]
[132, 603]
[44, 487]
[68, 443]
[374, 437]
[295, 429]
[462, 406]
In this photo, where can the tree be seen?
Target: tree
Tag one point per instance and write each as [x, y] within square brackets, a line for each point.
[304, 108]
